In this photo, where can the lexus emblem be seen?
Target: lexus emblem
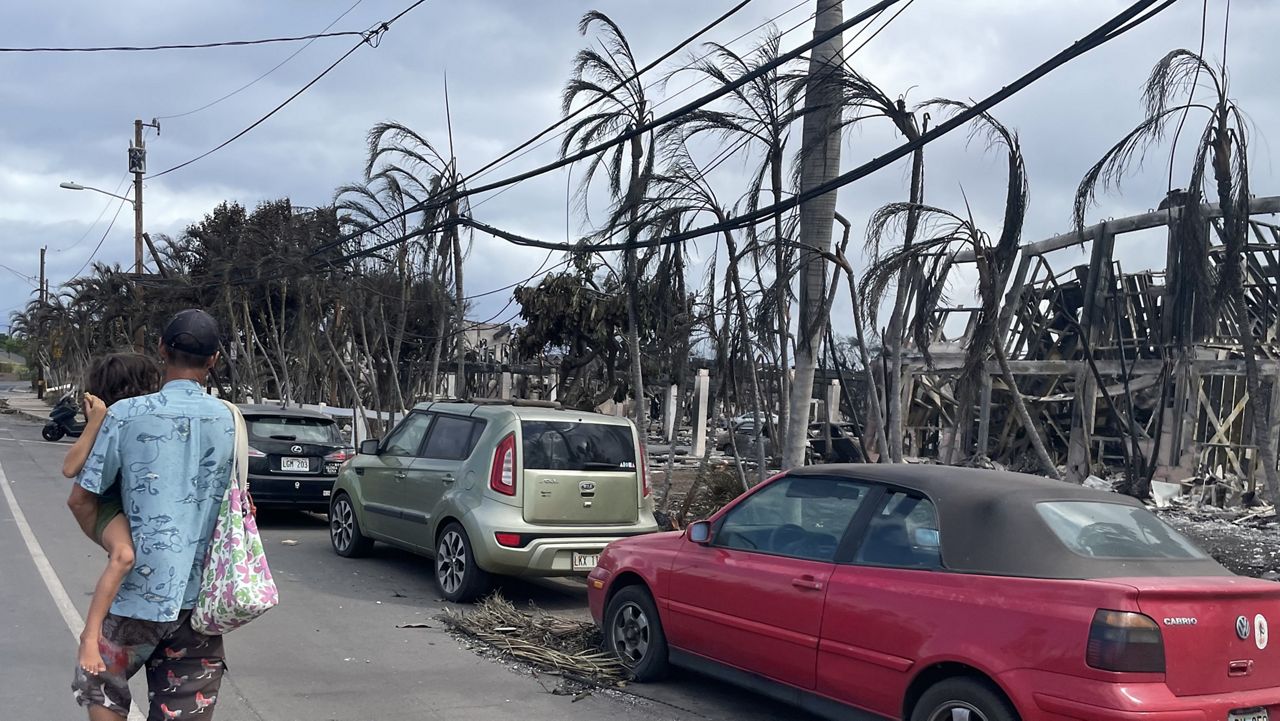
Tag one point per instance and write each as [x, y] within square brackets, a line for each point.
[1242, 628]
[296, 449]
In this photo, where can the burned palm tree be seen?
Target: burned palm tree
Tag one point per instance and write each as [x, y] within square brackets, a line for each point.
[758, 118]
[863, 100]
[608, 82]
[1183, 84]
[678, 196]
[408, 180]
[945, 234]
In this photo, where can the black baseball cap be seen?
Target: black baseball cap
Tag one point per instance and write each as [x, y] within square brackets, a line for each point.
[192, 331]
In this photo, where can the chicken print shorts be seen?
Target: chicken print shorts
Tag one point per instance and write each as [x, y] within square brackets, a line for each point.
[184, 668]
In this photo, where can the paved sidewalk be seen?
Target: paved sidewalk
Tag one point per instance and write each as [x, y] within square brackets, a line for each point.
[26, 405]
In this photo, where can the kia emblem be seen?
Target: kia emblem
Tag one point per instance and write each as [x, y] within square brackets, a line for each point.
[587, 486]
[296, 449]
[1242, 628]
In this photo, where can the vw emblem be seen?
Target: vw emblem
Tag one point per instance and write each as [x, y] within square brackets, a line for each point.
[296, 449]
[1242, 628]
[587, 486]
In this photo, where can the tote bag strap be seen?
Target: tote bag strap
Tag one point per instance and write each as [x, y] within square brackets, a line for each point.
[240, 469]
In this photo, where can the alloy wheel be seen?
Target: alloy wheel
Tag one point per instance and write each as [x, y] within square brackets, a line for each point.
[957, 711]
[451, 562]
[630, 633]
[341, 525]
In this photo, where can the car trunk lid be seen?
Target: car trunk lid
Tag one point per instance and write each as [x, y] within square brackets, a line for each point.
[579, 473]
[1216, 632]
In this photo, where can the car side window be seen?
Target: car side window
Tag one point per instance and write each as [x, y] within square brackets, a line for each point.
[903, 533]
[406, 439]
[797, 516]
[452, 438]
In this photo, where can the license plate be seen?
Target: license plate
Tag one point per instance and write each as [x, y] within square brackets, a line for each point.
[1256, 715]
[295, 464]
[585, 561]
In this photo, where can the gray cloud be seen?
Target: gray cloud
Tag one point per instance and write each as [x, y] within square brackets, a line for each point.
[69, 117]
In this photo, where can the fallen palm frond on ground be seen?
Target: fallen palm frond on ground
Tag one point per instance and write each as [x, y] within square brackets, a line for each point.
[563, 646]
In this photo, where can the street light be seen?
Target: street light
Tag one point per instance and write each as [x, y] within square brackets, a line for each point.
[76, 186]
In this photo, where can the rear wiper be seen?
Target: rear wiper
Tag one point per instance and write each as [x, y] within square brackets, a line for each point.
[284, 438]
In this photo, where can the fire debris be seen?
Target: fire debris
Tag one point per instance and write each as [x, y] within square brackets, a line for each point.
[560, 646]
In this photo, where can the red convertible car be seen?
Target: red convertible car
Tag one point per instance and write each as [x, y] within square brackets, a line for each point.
[933, 593]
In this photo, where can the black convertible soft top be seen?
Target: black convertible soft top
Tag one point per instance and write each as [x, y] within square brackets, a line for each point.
[989, 524]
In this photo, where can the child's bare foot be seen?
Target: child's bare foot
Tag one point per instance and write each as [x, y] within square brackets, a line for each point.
[90, 658]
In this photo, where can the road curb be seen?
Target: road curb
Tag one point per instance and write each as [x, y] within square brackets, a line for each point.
[29, 415]
[24, 413]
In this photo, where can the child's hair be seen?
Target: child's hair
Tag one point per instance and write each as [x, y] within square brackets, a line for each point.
[118, 376]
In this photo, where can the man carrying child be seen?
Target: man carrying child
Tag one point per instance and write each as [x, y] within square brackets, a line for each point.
[171, 454]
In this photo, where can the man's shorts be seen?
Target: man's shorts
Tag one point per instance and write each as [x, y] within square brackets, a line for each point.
[184, 668]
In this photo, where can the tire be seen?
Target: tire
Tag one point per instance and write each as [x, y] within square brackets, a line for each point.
[633, 632]
[52, 432]
[344, 529]
[963, 699]
[460, 578]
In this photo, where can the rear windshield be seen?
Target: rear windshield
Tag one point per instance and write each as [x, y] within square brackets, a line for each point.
[1111, 530]
[556, 446]
[303, 430]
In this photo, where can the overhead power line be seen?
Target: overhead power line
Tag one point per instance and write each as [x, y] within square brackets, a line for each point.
[189, 46]
[599, 99]
[517, 153]
[101, 240]
[1117, 26]
[370, 38]
[624, 137]
[263, 76]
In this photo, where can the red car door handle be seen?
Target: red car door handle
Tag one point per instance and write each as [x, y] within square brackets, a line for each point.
[807, 582]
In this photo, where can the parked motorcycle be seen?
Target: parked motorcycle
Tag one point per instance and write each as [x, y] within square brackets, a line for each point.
[62, 420]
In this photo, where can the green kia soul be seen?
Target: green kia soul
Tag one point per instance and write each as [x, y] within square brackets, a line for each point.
[517, 488]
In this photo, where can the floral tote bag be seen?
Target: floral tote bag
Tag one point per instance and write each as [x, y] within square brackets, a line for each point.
[236, 586]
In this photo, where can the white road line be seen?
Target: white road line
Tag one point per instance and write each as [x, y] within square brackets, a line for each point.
[25, 442]
[50, 577]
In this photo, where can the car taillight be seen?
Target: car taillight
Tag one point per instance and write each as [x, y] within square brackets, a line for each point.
[340, 455]
[1125, 643]
[255, 453]
[502, 475]
[644, 471]
[510, 540]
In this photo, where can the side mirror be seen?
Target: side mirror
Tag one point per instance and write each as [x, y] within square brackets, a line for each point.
[928, 538]
[699, 532]
[369, 447]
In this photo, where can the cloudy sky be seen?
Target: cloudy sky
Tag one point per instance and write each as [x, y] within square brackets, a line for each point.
[69, 116]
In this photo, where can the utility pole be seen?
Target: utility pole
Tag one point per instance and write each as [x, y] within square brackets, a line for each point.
[138, 166]
[43, 296]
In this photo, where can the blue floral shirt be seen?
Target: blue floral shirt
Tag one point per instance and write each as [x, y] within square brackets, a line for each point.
[173, 451]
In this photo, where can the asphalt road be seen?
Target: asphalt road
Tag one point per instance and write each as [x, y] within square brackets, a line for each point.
[331, 651]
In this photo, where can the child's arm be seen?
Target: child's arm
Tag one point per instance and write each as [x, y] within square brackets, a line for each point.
[97, 475]
[94, 411]
[84, 506]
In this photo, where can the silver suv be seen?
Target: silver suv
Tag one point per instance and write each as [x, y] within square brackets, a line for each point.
[515, 488]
